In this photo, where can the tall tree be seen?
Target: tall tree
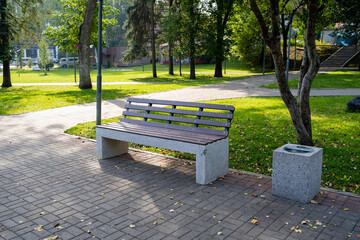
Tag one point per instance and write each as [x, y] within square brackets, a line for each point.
[140, 26]
[222, 14]
[15, 16]
[78, 27]
[171, 30]
[84, 40]
[299, 109]
[44, 54]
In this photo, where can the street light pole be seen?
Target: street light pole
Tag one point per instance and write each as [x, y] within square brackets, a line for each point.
[98, 86]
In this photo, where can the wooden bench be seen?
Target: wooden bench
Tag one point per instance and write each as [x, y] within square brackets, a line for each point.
[207, 138]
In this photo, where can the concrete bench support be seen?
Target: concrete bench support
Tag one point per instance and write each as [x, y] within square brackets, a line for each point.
[211, 160]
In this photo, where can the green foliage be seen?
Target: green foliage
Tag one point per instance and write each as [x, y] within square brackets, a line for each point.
[70, 19]
[246, 36]
[261, 125]
[44, 54]
[19, 21]
[138, 29]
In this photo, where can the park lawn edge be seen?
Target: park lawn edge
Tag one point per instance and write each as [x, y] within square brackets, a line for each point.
[339, 79]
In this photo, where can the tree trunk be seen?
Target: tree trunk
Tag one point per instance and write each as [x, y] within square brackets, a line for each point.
[219, 53]
[192, 41]
[4, 51]
[153, 52]
[171, 47]
[6, 74]
[219, 47]
[171, 63]
[299, 110]
[222, 16]
[84, 53]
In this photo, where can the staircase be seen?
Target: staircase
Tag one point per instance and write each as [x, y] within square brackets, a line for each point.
[340, 58]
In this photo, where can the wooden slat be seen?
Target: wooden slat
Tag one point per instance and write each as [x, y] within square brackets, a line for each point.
[178, 119]
[184, 104]
[180, 111]
[163, 132]
[178, 127]
[160, 132]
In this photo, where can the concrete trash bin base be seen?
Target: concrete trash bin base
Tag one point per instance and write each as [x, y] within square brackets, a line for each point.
[297, 172]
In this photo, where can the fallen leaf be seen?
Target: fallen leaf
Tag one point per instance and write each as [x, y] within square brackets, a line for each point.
[3, 235]
[89, 231]
[39, 228]
[42, 213]
[286, 223]
[254, 195]
[219, 233]
[305, 222]
[245, 193]
[346, 209]
[298, 230]
[171, 198]
[155, 223]
[56, 224]
[132, 225]
[262, 196]
[358, 236]
[214, 216]
[254, 221]
[88, 223]
[59, 227]
[161, 217]
[317, 222]
[102, 194]
[51, 238]
[172, 210]
[313, 201]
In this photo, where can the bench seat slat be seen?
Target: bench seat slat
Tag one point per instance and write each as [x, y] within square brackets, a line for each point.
[177, 127]
[165, 133]
[178, 119]
[180, 111]
[184, 104]
[172, 134]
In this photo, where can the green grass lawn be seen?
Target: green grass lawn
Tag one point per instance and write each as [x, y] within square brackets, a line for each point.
[345, 78]
[20, 99]
[261, 125]
[66, 75]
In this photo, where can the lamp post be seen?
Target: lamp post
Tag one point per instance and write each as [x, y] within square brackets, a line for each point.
[98, 86]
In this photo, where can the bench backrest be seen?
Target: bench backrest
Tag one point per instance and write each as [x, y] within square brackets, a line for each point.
[219, 122]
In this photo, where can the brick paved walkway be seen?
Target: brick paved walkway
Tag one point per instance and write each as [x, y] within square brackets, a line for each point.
[55, 180]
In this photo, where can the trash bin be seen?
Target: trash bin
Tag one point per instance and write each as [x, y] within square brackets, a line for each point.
[297, 172]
